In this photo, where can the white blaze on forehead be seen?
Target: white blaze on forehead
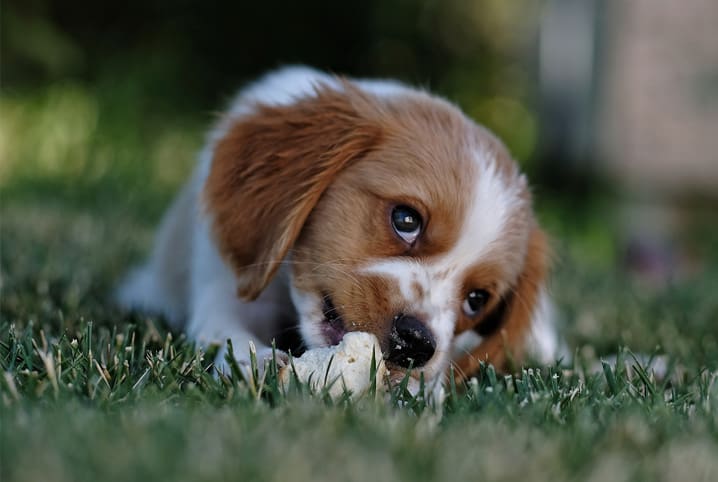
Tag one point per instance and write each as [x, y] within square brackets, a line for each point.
[493, 201]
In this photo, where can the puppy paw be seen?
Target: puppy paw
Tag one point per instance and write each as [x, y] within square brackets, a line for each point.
[263, 356]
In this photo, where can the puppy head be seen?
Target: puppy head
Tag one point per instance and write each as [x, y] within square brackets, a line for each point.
[397, 215]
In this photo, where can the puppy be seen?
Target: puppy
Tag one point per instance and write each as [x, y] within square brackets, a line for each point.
[336, 205]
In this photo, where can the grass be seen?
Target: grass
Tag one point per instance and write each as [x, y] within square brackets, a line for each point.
[90, 393]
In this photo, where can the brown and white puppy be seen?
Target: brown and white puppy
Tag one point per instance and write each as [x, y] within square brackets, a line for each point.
[353, 205]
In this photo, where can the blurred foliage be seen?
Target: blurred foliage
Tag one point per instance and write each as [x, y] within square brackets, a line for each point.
[92, 144]
[76, 74]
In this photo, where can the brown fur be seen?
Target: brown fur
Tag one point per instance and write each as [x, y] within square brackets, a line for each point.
[484, 276]
[507, 344]
[269, 171]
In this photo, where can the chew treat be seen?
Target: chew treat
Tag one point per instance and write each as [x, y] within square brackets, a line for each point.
[350, 366]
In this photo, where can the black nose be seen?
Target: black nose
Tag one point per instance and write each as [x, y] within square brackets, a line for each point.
[410, 342]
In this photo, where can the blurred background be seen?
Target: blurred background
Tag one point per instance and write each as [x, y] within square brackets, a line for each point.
[610, 106]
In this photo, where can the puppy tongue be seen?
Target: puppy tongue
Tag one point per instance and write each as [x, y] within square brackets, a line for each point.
[334, 331]
[333, 326]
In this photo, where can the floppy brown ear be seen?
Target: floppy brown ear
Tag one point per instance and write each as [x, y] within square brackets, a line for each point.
[270, 169]
[505, 329]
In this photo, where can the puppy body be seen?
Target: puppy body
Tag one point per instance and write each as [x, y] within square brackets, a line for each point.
[287, 221]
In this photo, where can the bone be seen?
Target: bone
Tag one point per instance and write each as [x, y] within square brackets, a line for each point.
[350, 367]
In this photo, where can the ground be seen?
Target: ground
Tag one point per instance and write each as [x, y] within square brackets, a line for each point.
[91, 393]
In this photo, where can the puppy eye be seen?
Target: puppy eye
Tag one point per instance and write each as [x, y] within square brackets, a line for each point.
[406, 222]
[475, 302]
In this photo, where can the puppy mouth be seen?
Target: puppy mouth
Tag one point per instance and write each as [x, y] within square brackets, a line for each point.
[333, 328]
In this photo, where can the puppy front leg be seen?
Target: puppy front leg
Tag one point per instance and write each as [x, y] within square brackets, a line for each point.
[218, 315]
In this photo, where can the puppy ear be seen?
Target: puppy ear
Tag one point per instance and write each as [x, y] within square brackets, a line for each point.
[270, 169]
[506, 329]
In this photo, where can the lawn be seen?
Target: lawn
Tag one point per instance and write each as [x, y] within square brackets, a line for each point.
[91, 393]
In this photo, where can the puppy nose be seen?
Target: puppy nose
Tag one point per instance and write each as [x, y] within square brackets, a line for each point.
[410, 342]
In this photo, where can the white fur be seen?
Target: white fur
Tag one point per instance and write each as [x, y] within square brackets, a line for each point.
[207, 307]
[465, 343]
[544, 342]
[309, 310]
[494, 201]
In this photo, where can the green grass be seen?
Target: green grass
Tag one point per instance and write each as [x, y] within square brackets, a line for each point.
[90, 393]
